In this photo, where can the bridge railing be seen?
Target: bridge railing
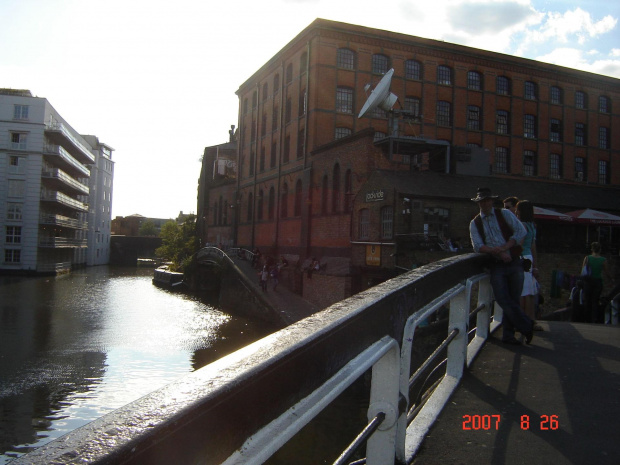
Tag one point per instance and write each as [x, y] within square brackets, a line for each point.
[242, 408]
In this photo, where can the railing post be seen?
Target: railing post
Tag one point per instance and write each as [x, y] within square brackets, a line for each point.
[384, 395]
[459, 319]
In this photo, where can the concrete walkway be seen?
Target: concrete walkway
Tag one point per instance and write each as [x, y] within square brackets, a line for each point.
[514, 395]
[291, 306]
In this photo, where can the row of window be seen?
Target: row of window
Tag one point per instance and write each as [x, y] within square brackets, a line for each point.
[556, 169]
[380, 64]
[435, 222]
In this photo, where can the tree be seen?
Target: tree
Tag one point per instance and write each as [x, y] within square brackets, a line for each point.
[147, 228]
[179, 243]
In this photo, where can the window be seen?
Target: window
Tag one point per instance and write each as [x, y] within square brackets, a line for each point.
[302, 102]
[252, 158]
[342, 132]
[272, 203]
[265, 91]
[603, 137]
[502, 122]
[580, 134]
[18, 141]
[274, 150]
[378, 136]
[436, 219]
[303, 63]
[529, 163]
[284, 201]
[529, 126]
[259, 209]
[378, 112]
[245, 106]
[345, 58]
[502, 85]
[253, 131]
[276, 84]
[387, 222]
[473, 117]
[288, 110]
[380, 64]
[412, 105]
[344, 99]
[348, 191]
[254, 99]
[289, 73]
[262, 159]
[555, 166]
[17, 165]
[12, 255]
[555, 130]
[274, 118]
[324, 195]
[580, 169]
[221, 210]
[581, 100]
[250, 207]
[444, 116]
[556, 95]
[474, 80]
[531, 90]
[16, 188]
[297, 211]
[413, 70]
[287, 149]
[13, 235]
[501, 163]
[263, 125]
[364, 224]
[336, 189]
[14, 211]
[603, 172]
[604, 104]
[444, 75]
[300, 143]
[20, 112]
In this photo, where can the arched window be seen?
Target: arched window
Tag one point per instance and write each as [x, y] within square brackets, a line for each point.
[348, 191]
[297, 211]
[289, 73]
[380, 64]
[276, 84]
[444, 75]
[336, 189]
[284, 201]
[345, 58]
[474, 80]
[444, 113]
[303, 63]
[324, 193]
[502, 85]
[259, 210]
[413, 70]
[364, 224]
[271, 204]
[387, 222]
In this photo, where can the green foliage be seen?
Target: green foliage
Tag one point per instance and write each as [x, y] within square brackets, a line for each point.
[147, 228]
[179, 243]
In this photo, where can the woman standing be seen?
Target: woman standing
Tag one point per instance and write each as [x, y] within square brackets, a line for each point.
[525, 213]
[594, 284]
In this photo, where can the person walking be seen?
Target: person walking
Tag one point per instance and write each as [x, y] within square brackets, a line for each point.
[275, 273]
[498, 233]
[264, 275]
[593, 286]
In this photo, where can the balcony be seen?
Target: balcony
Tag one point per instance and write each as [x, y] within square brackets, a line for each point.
[59, 134]
[63, 199]
[62, 243]
[63, 221]
[65, 159]
[59, 179]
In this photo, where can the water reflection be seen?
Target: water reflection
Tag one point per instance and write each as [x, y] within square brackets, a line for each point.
[75, 347]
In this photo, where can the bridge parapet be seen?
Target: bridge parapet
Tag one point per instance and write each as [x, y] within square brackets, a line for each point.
[245, 406]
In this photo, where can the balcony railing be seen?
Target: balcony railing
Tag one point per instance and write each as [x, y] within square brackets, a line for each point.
[55, 196]
[59, 220]
[67, 180]
[66, 158]
[61, 135]
[62, 243]
[54, 267]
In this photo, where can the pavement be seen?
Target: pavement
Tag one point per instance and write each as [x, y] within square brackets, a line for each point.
[291, 306]
[556, 401]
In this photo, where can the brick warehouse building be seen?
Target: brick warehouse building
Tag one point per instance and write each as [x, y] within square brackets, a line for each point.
[305, 159]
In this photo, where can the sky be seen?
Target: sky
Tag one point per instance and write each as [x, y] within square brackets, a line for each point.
[156, 79]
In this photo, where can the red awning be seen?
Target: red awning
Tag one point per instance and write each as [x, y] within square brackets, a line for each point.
[544, 214]
[589, 216]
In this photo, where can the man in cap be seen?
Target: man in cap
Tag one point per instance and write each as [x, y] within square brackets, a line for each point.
[495, 232]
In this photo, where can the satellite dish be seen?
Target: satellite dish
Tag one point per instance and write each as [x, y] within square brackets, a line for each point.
[380, 96]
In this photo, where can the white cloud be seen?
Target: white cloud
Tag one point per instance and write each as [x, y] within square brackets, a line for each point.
[575, 58]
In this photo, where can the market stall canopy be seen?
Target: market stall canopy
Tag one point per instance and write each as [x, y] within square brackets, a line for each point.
[544, 214]
[589, 216]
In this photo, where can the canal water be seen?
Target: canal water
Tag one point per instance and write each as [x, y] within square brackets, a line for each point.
[77, 346]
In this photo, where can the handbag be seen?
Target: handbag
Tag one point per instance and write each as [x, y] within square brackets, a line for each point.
[586, 271]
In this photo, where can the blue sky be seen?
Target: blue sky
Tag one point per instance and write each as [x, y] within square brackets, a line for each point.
[156, 79]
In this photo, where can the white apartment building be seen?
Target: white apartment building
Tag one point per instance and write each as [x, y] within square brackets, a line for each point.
[100, 204]
[45, 166]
